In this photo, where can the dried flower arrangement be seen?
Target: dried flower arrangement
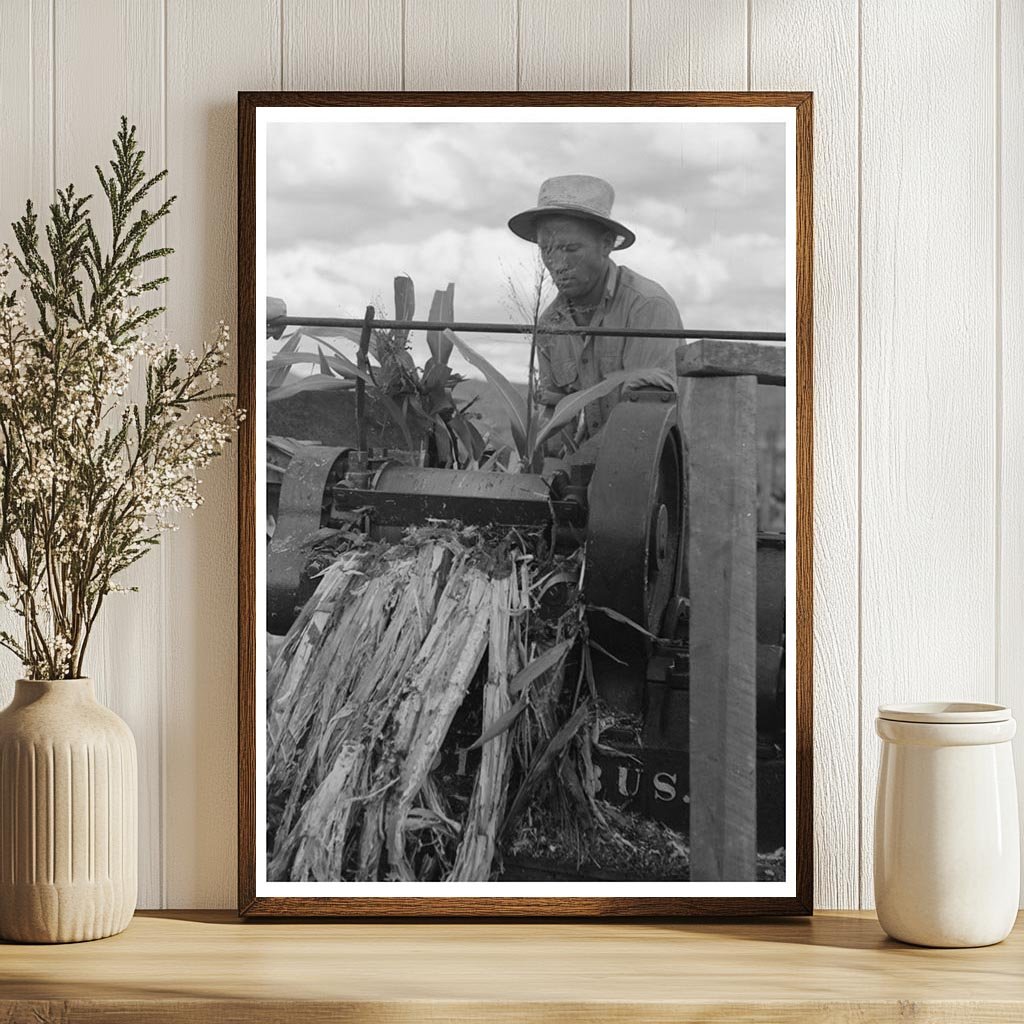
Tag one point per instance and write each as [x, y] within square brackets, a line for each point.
[89, 477]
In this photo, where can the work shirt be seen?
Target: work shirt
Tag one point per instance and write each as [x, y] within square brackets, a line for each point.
[574, 362]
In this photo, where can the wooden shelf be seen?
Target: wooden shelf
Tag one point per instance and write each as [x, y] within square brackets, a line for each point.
[208, 966]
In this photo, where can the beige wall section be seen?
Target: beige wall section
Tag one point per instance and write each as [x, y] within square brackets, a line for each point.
[126, 651]
[928, 514]
[574, 44]
[1009, 368]
[26, 161]
[699, 45]
[780, 58]
[919, 306]
[467, 45]
[213, 51]
[341, 44]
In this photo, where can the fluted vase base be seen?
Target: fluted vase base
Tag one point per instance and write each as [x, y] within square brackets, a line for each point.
[68, 815]
[64, 913]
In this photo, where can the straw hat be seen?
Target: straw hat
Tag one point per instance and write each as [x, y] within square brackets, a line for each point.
[575, 195]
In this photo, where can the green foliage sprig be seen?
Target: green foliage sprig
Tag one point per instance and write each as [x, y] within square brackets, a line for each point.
[89, 477]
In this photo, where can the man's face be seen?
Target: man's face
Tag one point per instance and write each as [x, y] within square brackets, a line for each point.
[575, 253]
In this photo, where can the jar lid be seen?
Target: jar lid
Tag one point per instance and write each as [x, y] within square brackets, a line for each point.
[945, 713]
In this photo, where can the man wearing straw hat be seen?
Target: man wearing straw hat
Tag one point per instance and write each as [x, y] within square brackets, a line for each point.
[573, 227]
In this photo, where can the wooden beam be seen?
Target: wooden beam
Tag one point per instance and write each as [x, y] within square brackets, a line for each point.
[721, 560]
[713, 357]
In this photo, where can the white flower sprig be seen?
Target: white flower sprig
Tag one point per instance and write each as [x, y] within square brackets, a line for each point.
[89, 478]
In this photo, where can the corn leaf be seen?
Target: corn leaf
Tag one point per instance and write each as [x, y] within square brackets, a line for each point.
[514, 401]
[603, 650]
[543, 761]
[339, 365]
[469, 437]
[499, 725]
[280, 375]
[572, 405]
[442, 310]
[624, 619]
[314, 382]
[548, 660]
[444, 444]
[405, 303]
[492, 459]
[325, 366]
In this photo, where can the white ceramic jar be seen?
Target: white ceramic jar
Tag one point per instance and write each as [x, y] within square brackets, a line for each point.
[947, 847]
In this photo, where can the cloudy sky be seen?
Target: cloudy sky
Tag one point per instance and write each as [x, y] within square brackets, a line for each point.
[349, 206]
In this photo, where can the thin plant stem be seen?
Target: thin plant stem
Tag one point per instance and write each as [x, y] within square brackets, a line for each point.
[88, 477]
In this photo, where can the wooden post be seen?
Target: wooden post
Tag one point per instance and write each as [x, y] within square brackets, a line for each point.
[722, 562]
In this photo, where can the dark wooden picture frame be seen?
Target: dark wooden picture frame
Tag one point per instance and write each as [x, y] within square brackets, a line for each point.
[708, 363]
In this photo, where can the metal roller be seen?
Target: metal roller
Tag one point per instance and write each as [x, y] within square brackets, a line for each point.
[304, 508]
[635, 529]
[401, 495]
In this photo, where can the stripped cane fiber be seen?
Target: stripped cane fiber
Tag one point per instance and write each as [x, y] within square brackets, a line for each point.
[361, 698]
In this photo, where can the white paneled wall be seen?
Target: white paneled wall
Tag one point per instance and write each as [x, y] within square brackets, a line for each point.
[919, 326]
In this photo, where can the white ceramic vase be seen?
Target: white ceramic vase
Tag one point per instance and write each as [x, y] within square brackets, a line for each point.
[68, 815]
[947, 848]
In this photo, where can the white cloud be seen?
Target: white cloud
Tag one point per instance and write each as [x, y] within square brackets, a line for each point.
[714, 146]
[339, 280]
[351, 206]
[687, 273]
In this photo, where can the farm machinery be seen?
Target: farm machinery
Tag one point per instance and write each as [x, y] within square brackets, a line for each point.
[686, 598]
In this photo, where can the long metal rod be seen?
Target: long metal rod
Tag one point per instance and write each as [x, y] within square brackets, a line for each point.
[470, 328]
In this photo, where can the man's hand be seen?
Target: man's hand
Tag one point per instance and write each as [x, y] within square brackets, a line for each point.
[652, 377]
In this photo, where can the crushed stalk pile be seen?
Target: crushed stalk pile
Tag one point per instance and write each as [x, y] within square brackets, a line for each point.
[394, 644]
[455, 646]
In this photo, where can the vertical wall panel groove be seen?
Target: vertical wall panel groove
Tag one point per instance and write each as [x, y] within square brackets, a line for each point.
[700, 44]
[341, 44]
[928, 515]
[782, 59]
[629, 43]
[162, 653]
[26, 90]
[122, 657]
[859, 504]
[213, 51]
[468, 45]
[574, 44]
[749, 41]
[519, 48]
[1011, 242]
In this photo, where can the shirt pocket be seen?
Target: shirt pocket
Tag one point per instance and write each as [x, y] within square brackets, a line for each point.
[564, 371]
[611, 353]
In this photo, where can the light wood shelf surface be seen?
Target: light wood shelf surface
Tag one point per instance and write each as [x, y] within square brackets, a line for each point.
[208, 966]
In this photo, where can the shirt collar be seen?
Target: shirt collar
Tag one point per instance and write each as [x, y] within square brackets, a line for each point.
[611, 283]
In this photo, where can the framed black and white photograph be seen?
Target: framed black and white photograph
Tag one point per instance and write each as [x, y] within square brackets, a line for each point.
[525, 504]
